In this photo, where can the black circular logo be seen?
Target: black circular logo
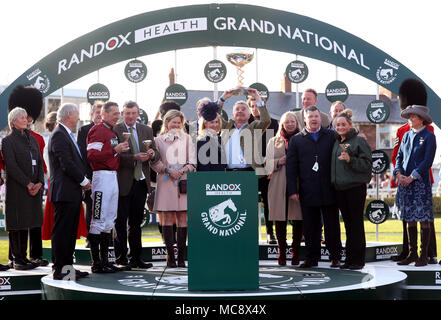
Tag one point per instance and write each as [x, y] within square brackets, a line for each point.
[215, 71]
[380, 161]
[377, 211]
[96, 92]
[296, 71]
[135, 71]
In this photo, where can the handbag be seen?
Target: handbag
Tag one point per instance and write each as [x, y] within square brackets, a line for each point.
[182, 184]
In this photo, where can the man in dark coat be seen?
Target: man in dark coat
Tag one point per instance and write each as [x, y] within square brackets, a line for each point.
[309, 162]
[68, 180]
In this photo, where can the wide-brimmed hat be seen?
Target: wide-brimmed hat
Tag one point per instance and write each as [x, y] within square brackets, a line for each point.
[421, 111]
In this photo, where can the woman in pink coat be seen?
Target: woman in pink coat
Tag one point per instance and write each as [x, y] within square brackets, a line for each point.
[177, 158]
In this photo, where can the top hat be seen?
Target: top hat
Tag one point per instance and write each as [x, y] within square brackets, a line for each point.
[28, 98]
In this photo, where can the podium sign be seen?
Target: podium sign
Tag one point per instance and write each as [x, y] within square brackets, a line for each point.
[223, 250]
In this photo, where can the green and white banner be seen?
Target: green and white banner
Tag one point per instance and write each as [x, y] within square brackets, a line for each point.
[214, 25]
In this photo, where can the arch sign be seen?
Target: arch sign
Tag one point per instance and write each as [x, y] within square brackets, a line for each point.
[214, 25]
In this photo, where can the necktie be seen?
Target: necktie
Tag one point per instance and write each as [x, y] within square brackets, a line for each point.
[75, 142]
[138, 167]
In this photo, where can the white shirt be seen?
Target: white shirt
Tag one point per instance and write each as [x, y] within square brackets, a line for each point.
[234, 152]
[85, 180]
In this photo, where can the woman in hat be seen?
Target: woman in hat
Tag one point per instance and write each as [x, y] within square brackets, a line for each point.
[414, 195]
[210, 152]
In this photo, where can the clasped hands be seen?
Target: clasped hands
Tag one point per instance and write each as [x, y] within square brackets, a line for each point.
[404, 180]
[33, 188]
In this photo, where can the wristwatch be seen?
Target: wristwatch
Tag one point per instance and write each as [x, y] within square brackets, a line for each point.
[260, 104]
[412, 177]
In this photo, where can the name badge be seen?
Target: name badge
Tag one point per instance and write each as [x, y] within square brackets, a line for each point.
[315, 167]
[34, 162]
[113, 142]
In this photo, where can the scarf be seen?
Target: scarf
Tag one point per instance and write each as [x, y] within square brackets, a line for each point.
[286, 136]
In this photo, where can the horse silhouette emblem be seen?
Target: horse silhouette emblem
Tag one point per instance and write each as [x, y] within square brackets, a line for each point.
[377, 114]
[386, 74]
[296, 74]
[217, 213]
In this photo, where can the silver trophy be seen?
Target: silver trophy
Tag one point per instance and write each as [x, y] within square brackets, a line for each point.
[240, 59]
[147, 144]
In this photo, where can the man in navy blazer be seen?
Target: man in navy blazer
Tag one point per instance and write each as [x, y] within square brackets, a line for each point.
[68, 180]
[309, 162]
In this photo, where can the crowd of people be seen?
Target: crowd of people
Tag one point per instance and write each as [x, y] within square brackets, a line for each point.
[311, 167]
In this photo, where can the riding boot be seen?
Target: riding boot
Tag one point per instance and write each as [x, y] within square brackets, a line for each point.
[297, 232]
[405, 251]
[281, 240]
[182, 238]
[167, 232]
[425, 239]
[94, 245]
[104, 253]
[412, 234]
[175, 240]
[431, 251]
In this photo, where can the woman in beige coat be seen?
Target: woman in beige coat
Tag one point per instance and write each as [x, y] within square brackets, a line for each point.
[282, 209]
[177, 158]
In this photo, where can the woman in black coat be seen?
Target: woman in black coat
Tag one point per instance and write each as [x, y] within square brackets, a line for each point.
[24, 181]
[209, 140]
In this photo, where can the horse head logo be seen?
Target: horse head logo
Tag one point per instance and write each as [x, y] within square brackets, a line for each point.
[217, 213]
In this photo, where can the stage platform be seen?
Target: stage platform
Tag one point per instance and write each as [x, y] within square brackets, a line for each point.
[22, 285]
[381, 279]
[155, 251]
[293, 283]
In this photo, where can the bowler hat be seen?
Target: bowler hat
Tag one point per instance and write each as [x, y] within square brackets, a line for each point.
[421, 111]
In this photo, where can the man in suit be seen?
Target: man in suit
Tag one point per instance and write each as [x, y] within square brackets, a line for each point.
[68, 180]
[82, 143]
[309, 160]
[134, 184]
[309, 98]
[239, 136]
